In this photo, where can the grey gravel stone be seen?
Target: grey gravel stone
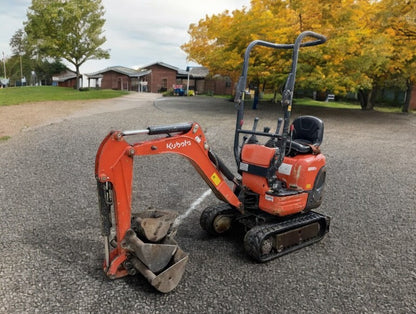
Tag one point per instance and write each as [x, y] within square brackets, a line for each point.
[51, 251]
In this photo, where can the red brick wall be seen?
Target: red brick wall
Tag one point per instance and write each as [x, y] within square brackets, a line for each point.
[159, 76]
[219, 86]
[68, 83]
[412, 104]
[114, 80]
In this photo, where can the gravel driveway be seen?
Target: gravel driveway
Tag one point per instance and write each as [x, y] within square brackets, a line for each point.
[52, 251]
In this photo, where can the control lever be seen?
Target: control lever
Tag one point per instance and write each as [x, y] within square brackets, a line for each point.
[272, 142]
[279, 125]
[253, 137]
[256, 121]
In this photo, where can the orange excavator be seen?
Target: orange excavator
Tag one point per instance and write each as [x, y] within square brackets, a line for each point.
[281, 178]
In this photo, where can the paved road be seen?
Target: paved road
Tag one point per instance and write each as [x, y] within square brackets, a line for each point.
[51, 252]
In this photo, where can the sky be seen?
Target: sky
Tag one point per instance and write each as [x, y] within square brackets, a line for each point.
[138, 32]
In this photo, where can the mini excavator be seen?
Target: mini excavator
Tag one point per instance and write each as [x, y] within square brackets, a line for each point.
[281, 178]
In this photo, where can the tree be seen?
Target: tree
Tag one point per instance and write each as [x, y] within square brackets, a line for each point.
[67, 29]
[22, 64]
[18, 43]
[370, 44]
[398, 19]
[219, 41]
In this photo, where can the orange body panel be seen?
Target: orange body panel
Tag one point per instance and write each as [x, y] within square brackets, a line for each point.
[258, 155]
[255, 183]
[298, 173]
[283, 205]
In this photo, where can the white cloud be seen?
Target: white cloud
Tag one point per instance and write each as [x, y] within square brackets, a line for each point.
[138, 32]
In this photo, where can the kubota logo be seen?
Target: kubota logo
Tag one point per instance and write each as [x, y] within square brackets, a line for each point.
[176, 145]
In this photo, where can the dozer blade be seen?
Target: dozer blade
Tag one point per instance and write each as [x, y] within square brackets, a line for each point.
[154, 256]
[168, 279]
[153, 225]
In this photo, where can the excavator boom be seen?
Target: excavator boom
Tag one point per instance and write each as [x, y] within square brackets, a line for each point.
[114, 175]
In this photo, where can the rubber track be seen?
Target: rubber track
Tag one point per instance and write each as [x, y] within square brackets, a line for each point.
[255, 236]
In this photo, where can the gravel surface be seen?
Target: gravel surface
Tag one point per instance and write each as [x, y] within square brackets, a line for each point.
[52, 251]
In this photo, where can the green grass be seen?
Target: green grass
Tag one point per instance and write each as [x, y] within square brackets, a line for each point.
[326, 104]
[19, 95]
[339, 104]
[4, 138]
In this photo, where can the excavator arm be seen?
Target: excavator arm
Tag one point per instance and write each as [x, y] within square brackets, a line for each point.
[114, 175]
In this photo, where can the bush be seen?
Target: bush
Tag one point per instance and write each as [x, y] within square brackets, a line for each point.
[169, 92]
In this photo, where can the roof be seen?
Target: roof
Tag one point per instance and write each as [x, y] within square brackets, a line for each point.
[163, 65]
[122, 70]
[199, 71]
[64, 76]
[194, 72]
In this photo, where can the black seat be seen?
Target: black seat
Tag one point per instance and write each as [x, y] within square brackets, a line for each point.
[307, 130]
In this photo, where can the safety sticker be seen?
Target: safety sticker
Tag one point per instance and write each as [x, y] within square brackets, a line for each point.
[216, 179]
[285, 169]
[243, 166]
[269, 198]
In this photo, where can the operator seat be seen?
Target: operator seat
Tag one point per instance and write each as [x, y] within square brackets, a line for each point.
[308, 132]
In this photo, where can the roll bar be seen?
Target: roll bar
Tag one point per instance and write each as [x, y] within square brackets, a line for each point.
[287, 94]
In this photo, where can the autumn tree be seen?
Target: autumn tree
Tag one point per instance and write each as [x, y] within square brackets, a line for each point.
[67, 29]
[370, 43]
[398, 20]
[219, 41]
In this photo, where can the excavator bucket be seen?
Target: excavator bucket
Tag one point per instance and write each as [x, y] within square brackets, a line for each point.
[153, 252]
[154, 255]
[153, 224]
[168, 279]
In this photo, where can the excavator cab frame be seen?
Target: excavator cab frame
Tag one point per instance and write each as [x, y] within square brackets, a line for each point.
[287, 94]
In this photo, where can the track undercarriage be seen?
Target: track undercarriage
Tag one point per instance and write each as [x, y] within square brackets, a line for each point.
[267, 237]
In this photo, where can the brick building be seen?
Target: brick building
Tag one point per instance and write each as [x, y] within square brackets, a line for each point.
[159, 77]
[412, 105]
[121, 78]
[163, 77]
[67, 78]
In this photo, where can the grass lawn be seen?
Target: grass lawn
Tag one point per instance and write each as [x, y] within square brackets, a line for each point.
[344, 105]
[339, 104]
[326, 104]
[19, 95]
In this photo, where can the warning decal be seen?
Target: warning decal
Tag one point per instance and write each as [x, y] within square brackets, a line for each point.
[285, 169]
[216, 179]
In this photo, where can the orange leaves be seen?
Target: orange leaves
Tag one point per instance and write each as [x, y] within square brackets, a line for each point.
[369, 41]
